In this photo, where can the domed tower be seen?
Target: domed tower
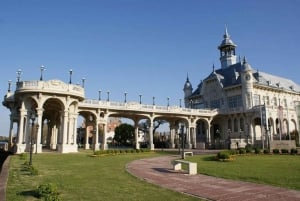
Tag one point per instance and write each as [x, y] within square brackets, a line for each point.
[188, 90]
[227, 51]
[247, 83]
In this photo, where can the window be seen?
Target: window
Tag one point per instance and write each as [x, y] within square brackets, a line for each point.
[229, 124]
[242, 124]
[215, 104]
[234, 101]
[256, 99]
[235, 125]
[275, 101]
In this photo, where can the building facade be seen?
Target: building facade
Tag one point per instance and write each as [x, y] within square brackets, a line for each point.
[253, 107]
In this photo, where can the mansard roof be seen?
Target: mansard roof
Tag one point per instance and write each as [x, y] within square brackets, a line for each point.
[230, 76]
[276, 81]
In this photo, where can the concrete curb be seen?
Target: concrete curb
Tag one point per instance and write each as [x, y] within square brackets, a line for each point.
[4, 178]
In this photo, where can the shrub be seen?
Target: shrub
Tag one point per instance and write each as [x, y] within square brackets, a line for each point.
[275, 151]
[294, 151]
[257, 150]
[242, 151]
[248, 149]
[48, 192]
[223, 155]
[284, 151]
[266, 151]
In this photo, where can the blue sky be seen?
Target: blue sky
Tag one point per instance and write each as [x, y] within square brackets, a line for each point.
[142, 46]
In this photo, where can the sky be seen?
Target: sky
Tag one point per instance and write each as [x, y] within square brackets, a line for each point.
[145, 47]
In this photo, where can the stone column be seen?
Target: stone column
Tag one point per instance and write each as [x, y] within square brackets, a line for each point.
[151, 135]
[136, 134]
[188, 137]
[11, 132]
[38, 131]
[96, 143]
[104, 143]
[87, 145]
[20, 148]
[172, 134]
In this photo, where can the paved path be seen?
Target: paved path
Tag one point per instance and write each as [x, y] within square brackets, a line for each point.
[159, 171]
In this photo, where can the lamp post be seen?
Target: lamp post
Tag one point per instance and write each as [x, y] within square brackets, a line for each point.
[32, 117]
[83, 80]
[9, 85]
[191, 103]
[19, 72]
[125, 95]
[108, 96]
[42, 70]
[99, 95]
[153, 100]
[70, 71]
[140, 98]
[180, 102]
[229, 140]
[168, 101]
[182, 141]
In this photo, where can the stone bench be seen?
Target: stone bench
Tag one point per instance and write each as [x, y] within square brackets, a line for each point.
[188, 153]
[192, 167]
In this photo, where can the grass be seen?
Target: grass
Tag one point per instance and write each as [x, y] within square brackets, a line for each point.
[276, 170]
[81, 177]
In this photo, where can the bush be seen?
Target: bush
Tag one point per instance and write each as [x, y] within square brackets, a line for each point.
[294, 151]
[266, 151]
[248, 149]
[242, 151]
[48, 192]
[275, 151]
[257, 150]
[224, 156]
[284, 151]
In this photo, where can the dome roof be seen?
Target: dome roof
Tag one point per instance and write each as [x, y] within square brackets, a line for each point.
[187, 84]
[226, 41]
[246, 65]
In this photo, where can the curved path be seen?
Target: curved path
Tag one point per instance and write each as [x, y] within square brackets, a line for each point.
[159, 171]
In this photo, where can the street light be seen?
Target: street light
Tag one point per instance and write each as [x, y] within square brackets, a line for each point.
[168, 101]
[83, 80]
[125, 94]
[140, 98]
[229, 140]
[182, 141]
[107, 95]
[99, 95]
[153, 100]
[19, 72]
[32, 117]
[42, 70]
[9, 85]
[70, 71]
[180, 102]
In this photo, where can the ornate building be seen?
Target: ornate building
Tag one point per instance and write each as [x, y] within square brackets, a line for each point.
[254, 107]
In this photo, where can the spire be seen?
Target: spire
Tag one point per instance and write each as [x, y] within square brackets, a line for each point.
[213, 67]
[227, 51]
[226, 35]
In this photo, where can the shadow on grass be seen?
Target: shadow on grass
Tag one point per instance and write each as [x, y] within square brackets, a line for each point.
[31, 193]
[209, 158]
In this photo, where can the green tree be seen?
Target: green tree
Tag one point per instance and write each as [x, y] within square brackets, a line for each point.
[124, 134]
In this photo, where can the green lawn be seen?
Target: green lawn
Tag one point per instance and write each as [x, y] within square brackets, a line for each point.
[81, 177]
[277, 170]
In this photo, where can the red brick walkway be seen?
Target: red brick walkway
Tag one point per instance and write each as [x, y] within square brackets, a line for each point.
[159, 171]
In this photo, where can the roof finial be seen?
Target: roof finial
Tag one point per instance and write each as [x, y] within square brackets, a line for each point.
[187, 77]
[213, 67]
[226, 35]
[244, 60]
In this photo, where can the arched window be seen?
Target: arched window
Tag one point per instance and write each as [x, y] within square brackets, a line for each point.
[229, 127]
[242, 127]
[235, 125]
